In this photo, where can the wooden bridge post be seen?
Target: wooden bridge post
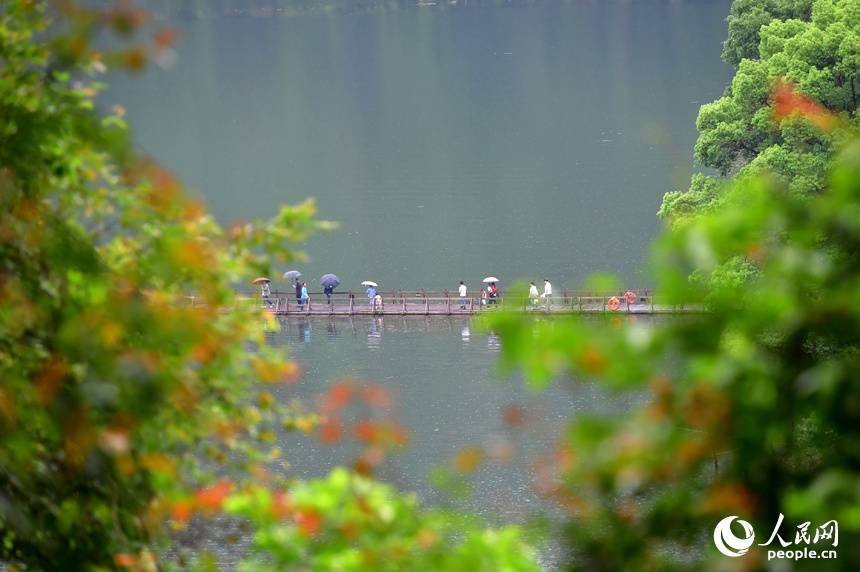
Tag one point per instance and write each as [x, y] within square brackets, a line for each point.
[426, 305]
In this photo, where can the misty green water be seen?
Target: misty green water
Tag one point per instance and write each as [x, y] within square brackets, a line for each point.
[450, 143]
[520, 141]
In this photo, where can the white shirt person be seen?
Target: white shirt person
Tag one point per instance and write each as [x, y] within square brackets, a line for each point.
[547, 292]
[463, 291]
[533, 293]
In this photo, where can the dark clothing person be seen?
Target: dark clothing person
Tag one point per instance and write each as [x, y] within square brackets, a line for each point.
[328, 290]
[299, 292]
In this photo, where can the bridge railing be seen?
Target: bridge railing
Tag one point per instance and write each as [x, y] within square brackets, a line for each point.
[440, 303]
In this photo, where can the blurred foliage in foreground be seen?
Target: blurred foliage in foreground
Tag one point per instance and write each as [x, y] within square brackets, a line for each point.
[753, 406]
[123, 409]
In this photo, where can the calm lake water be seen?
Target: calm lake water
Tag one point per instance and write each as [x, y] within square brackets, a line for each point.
[448, 392]
[450, 143]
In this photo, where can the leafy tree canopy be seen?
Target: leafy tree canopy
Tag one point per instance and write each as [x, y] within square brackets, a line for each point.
[747, 18]
[821, 57]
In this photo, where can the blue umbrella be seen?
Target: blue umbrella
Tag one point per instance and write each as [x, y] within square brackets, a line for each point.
[330, 281]
[292, 275]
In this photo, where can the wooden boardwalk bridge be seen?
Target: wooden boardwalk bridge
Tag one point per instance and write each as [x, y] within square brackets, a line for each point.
[443, 303]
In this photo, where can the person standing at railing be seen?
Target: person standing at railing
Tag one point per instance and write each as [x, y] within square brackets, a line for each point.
[547, 292]
[305, 297]
[328, 290]
[371, 297]
[299, 293]
[533, 294]
[462, 291]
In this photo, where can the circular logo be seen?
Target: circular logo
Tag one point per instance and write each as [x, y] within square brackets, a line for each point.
[726, 541]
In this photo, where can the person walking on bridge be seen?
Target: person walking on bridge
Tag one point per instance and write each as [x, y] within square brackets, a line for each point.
[533, 294]
[462, 291]
[547, 292]
[266, 293]
[305, 297]
[299, 293]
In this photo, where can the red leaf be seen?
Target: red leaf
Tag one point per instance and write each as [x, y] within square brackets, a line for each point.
[212, 497]
[787, 101]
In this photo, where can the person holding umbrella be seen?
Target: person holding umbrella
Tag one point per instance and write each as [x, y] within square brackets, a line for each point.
[492, 289]
[265, 290]
[295, 275]
[329, 282]
[371, 293]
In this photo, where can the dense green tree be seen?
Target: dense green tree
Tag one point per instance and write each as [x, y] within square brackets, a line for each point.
[736, 134]
[746, 19]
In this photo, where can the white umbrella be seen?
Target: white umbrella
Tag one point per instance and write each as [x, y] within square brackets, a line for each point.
[292, 275]
[490, 279]
[370, 283]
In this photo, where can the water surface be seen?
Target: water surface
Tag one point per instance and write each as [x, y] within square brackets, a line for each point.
[449, 142]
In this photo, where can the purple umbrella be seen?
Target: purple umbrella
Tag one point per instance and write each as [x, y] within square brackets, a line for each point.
[330, 281]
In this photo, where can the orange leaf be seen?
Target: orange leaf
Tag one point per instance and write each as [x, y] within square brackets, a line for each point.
[729, 498]
[181, 510]
[212, 497]
[281, 506]
[337, 397]
[787, 101]
[426, 538]
[309, 521]
[366, 431]
[124, 560]
[468, 459]
[377, 396]
[164, 38]
[513, 415]
[331, 431]
[592, 360]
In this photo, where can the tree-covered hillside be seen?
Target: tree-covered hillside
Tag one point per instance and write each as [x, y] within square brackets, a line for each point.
[819, 55]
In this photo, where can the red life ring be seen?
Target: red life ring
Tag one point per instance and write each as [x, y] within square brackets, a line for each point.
[613, 304]
[630, 297]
